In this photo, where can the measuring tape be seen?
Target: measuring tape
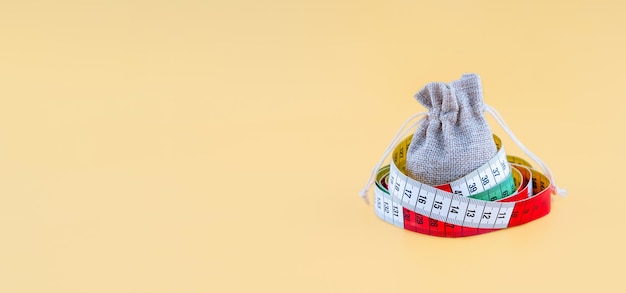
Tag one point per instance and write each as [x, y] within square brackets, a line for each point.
[504, 192]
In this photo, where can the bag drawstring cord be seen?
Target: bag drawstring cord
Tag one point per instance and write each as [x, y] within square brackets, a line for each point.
[402, 132]
[542, 165]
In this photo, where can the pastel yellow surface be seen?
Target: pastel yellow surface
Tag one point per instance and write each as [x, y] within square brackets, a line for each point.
[199, 146]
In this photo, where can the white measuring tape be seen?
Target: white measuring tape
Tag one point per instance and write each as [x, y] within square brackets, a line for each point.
[507, 197]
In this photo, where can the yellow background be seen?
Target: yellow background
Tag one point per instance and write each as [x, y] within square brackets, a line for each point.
[194, 146]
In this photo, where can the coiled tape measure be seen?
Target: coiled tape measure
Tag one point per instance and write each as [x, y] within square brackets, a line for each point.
[504, 192]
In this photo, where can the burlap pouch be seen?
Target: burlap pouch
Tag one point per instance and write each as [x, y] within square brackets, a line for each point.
[454, 139]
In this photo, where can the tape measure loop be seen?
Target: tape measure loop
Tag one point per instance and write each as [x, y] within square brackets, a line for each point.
[442, 211]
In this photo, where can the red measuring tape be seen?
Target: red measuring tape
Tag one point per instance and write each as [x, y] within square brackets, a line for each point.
[437, 211]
